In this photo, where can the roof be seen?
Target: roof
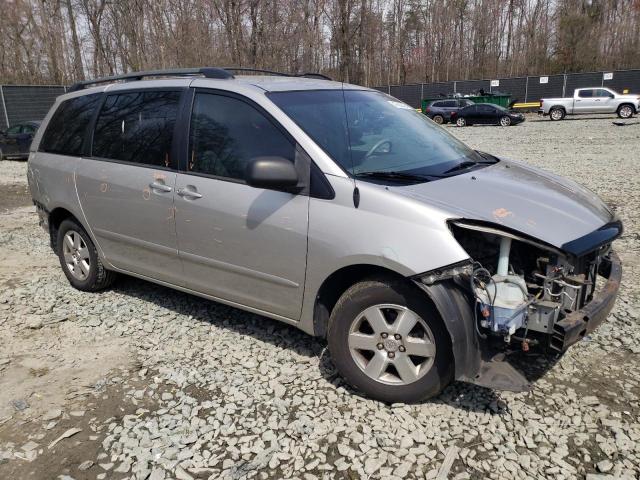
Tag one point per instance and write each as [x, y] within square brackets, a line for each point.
[272, 83]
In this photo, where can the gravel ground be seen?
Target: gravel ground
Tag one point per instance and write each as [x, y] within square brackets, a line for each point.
[144, 382]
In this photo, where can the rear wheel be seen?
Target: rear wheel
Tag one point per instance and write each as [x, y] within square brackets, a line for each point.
[79, 258]
[388, 341]
[505, 121]
[461, 122]
[439, 119]
[625, 111]
[556, 114]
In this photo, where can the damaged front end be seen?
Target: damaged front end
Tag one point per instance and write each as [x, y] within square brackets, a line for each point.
[526, 294]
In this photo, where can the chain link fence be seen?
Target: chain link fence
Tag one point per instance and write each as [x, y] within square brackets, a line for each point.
[22, 103]
[521, 89]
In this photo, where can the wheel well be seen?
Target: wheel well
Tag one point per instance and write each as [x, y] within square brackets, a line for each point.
[559, 107]
[628, 103]
[335, 285]
[56, 217]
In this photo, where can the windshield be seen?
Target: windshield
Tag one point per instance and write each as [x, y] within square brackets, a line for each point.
[366, 131]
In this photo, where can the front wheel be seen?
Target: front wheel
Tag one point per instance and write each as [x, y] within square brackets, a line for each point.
[625, 111]
[388, 340]
[461, 122]
[505, 121]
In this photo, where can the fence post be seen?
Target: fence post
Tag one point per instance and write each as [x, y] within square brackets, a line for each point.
[455, 87]
[564, 84]
[421, 93]
[526, 90]
[4, 106]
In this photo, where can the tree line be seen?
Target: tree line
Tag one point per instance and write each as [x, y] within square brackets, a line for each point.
[369, 42]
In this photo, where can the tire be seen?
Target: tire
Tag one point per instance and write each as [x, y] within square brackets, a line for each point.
[390, 304]
[557, 114]
[625, 111]
[439, 119]
[79, 258]
[461, 122]
[505, 121]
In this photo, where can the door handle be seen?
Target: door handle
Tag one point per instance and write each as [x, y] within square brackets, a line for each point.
[187, 192]
[160, 186]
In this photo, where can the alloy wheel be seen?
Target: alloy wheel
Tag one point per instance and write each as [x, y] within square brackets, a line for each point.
[626, 112]
[556, 114]
[76, 255]
[392, 344]
[505, 121]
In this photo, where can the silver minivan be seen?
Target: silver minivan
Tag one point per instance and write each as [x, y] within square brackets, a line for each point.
[331, 207]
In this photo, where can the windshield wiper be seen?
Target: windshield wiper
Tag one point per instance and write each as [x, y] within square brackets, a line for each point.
[461, 166]
[489, 160]
[393, 176]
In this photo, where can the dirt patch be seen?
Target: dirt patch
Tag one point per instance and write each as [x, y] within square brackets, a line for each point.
[13, 196]
[107, 402]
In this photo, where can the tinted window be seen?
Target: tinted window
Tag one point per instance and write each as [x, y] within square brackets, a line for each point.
[365, 131]
[585, 93]
[465, 103]
[485, 108]
[449, 103]
[226, 133]
[14, 130]
[66, 130]
[603, 93]
[28, 129]
[137, 127]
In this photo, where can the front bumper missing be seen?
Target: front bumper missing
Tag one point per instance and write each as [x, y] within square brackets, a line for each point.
[576, 325]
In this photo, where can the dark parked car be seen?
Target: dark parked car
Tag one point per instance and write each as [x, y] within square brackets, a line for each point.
[15, 141]
[486, 114]
[440, 110]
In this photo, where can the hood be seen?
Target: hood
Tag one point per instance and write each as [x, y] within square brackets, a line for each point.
[525, 199]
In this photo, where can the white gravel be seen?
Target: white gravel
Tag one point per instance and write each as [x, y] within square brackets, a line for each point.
[207, 391]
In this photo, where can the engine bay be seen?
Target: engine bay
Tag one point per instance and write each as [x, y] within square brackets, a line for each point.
[521, 288]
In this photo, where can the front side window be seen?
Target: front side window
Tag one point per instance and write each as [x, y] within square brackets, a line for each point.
[137, 127]
[365, 131]
[226, 133]
[603, 93]
[66, 131]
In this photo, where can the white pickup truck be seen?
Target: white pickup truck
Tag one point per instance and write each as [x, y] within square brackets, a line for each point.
[590, 100]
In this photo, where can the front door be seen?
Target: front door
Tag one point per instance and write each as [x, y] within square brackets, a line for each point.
[586, 101]
[241, 244]
[126, 187]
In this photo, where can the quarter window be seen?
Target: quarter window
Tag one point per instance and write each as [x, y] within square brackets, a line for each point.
[67, 128]
[137, 127]
[226, 133]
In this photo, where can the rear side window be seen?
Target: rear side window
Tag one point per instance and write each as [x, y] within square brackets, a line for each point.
[137, 127]
[449, 103]
[437, 104]
[66, 130]
[585, 93]
[226, 133]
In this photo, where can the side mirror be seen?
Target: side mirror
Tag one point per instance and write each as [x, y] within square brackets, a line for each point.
[275, 173]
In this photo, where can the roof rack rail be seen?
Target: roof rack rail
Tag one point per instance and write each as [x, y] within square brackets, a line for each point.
[207, 72]
[279, 74]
